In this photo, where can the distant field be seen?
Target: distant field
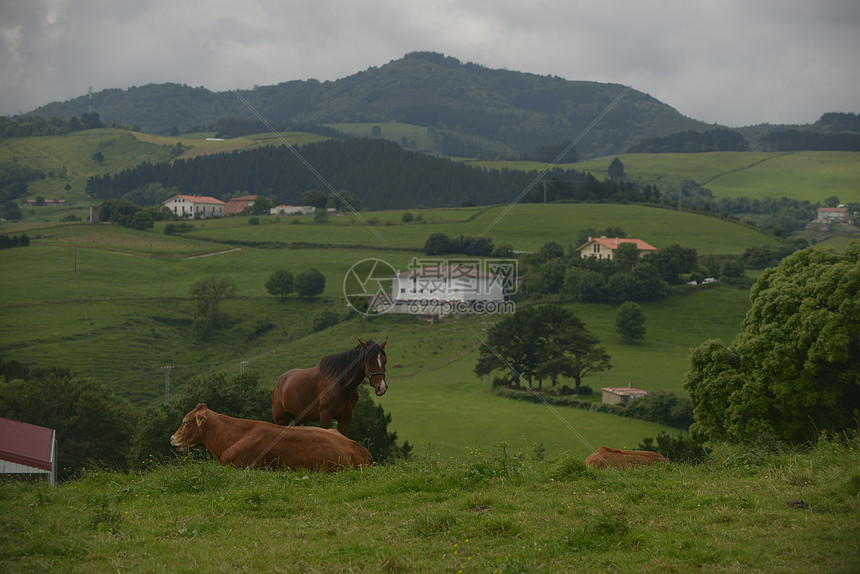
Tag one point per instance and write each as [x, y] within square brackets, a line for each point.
[416, 137]
[526, 227]
[811, 176]
[199, 145]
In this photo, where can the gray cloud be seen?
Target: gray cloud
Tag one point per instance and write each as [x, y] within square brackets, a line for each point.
[733, 62]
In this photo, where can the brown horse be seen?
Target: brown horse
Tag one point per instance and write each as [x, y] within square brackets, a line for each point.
[330, 389]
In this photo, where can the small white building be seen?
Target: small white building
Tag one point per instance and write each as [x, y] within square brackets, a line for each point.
[615, 395]
[448, 289]
[194, 206]
[293, 210]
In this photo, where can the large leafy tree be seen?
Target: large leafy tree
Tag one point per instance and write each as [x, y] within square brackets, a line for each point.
[794, 369]
[310, 283]
[547, 341]
[280, 283]
[673, 260]
[630, 321]
[208, 294]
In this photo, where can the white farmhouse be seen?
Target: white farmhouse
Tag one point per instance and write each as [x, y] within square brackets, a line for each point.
[450, 289]
[194, 206]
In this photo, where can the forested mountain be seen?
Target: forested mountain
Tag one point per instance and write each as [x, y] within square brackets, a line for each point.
[517, 111]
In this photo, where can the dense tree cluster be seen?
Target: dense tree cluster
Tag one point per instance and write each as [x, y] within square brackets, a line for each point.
[27, 126]
[379, 172]
[627, 277]
[9, 241]
[800, 140]
[719, 139]
[93, 426]
[441, 244]
[794, 369]
[546, 342]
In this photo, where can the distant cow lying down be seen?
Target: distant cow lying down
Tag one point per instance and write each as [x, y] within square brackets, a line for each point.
[605, 456]
[246, 443]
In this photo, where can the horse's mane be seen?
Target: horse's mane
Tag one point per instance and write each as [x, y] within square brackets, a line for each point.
[349, 362]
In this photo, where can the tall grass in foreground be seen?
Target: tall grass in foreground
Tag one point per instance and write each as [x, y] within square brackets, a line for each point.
[498, 511]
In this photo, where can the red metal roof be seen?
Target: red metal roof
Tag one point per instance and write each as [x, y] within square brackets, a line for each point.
[26, 444]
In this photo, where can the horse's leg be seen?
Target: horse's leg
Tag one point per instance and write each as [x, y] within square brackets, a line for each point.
[325, 419]
[343, 422]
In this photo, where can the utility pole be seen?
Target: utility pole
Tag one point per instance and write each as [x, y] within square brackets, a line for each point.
[487, 325]
[242, 367]
[167, 370]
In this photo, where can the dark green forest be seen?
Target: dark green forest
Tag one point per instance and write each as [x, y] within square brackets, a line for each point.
[381, 173]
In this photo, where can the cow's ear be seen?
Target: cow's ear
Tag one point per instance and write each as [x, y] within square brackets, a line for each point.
[201, 419]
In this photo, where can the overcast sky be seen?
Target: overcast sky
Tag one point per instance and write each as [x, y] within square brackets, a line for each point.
[732, 62]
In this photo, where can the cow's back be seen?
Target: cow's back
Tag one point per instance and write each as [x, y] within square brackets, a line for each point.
[248, 443]
[605, 456]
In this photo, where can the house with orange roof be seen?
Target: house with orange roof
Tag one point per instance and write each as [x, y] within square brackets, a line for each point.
[604, 247]
[194, 206]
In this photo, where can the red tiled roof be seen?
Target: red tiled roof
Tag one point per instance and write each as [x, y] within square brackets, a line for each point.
[198, 199]
[615, 242]
[26, 444]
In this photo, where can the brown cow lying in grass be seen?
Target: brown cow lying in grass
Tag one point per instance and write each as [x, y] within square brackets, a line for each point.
[246, 443]
[605, 456]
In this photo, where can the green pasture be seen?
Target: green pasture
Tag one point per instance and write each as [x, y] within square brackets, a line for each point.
[500, 508]
[525, 226]
[120, 148]
[809, 175]
[417, 137]
[198, 144]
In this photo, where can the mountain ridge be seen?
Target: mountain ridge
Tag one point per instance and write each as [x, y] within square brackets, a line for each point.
[473, 110]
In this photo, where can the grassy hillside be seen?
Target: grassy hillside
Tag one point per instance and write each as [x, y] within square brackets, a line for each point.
[500, 509]
[113, 303]
[812, 175]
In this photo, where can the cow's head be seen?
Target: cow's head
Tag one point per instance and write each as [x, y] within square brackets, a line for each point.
[192, 430]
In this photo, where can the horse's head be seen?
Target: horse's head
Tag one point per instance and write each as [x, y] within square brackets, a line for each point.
[374, 364]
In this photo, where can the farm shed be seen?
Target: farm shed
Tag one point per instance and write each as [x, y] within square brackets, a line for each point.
[28, 451]
[615, 395]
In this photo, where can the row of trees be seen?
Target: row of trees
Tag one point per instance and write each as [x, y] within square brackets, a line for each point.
[718, 139]
[9, 241]
[26, 126]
